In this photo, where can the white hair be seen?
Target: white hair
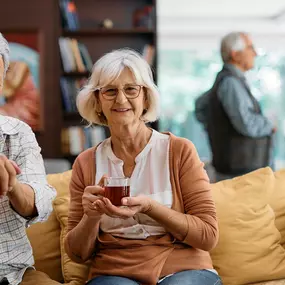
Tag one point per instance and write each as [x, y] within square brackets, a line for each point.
[4, 52]
[232, 42]
[107, 69]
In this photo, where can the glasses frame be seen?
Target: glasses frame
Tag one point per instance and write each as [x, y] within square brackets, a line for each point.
[117, 92]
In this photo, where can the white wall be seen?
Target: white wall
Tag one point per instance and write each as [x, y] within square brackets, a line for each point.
[202, 23]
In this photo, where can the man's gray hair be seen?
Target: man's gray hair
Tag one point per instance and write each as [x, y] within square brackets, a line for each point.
[4, 52]
[232, 42]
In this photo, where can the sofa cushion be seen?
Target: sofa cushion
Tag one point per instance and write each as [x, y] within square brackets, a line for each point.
[48, 257]
[60, 181]
[277, 202]
[75, 273]
[275, 282]
[249, 247]
[45, 241]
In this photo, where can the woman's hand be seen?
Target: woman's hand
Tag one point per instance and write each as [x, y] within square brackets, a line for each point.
[133, 205]
[90, 196]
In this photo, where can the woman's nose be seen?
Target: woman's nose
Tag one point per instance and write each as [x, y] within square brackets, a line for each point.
[121, 98]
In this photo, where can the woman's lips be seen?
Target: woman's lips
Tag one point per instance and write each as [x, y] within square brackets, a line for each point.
[121, 110]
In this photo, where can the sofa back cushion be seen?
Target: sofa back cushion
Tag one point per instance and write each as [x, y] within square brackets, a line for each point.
[60, 181]
[45, 241]
[277, 202]
[249, 247]
[45, 237]
[73, 273]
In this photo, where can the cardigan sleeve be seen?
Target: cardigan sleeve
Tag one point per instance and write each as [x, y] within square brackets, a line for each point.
[76, 188]
[199, 206]
[82, 176]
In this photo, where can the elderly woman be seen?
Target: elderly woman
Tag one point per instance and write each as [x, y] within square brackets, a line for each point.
[164, 230]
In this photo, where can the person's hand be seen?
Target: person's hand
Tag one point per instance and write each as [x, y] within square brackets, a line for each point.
[90, 196]
[133, 205]
[274, 130]
[8, 175]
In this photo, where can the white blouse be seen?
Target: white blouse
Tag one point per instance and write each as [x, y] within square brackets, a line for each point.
[150, 177]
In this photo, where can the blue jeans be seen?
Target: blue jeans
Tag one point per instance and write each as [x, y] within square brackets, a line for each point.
[188, 277]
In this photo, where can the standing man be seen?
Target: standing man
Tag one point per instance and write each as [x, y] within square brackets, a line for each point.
[25, 196]
[240, 136]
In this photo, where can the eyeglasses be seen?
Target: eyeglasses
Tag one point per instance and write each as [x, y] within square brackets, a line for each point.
[131, 91]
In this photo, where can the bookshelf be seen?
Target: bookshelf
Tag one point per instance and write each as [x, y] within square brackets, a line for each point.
[44, 17]
[100, 40]
[107, 32]
[71, 119]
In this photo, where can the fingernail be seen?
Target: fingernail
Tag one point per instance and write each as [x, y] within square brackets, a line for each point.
[125, 201]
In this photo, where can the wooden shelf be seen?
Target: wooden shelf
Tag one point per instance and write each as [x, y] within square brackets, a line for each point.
[70, 157]
[73, 119]
[106, 32]
[76, 74]
[71, 115]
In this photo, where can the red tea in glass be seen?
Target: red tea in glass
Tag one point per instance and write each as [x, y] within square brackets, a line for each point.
[116, 188]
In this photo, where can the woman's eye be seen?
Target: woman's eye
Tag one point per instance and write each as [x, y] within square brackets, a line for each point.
[111, 90]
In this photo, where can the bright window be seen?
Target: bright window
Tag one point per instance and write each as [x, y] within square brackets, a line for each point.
[185, 74]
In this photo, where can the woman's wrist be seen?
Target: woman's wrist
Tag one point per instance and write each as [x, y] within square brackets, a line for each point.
[92, 219]
[150, 205]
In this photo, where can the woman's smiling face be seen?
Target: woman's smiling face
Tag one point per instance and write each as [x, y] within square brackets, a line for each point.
[120, 110]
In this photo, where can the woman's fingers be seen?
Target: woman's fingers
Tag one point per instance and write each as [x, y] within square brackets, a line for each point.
[111, 210]
[102, 208]
[101, 182]
[95, 190]
[92, 197]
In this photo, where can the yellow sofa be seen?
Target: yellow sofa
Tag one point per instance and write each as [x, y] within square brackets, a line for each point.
[251, 248]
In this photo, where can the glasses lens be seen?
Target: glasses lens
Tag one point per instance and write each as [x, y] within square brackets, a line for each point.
[132, 90]
[109, 92]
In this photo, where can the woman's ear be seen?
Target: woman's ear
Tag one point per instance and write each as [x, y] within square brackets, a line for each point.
[146, 100]
[98, 106]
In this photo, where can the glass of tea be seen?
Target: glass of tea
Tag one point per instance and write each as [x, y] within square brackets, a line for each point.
[116, 188]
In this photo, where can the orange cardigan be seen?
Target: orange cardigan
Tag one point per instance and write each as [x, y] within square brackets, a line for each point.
[148, 260]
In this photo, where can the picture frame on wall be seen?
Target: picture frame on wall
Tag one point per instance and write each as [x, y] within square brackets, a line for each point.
[20, 97]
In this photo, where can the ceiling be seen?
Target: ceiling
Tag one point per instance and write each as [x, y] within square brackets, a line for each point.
[203, 22]
[221, 8]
